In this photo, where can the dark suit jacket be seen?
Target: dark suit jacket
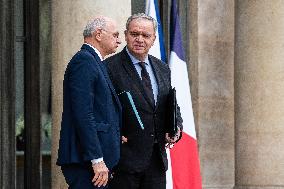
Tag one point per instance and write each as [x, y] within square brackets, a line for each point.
[136, 153]
[91, 117]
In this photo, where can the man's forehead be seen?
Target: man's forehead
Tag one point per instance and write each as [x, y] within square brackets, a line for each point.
[111, 24]
[142, 23]
[141, 20]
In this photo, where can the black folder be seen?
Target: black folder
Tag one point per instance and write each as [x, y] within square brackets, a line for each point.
[127, 103]
[172, 113]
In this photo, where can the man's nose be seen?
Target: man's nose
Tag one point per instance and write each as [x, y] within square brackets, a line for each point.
[118, 40]
[139, 38]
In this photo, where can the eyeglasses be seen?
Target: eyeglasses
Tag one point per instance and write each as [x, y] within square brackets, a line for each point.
[137, 34]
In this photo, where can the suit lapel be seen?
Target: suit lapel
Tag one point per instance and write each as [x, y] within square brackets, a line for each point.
[109, 83]
[133, 75]
[102, 66]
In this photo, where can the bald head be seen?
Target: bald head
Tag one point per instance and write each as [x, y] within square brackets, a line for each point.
[102, 33]
[99, 22]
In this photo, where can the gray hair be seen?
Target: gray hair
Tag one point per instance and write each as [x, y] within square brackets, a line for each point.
[93, 25]
[142, 16]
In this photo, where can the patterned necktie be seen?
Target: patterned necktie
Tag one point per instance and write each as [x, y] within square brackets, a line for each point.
[146, 82]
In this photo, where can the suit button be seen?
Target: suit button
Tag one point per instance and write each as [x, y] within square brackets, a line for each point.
[152, 135]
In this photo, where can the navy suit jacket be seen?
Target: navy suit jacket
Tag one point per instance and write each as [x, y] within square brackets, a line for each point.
[91, 117]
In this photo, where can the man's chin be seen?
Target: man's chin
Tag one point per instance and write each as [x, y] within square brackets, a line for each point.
[139, 51]
[113, 51]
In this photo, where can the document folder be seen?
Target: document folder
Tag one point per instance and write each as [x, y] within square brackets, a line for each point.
[172, 113]
[127, 102]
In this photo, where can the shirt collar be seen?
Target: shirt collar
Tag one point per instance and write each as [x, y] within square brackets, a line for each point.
[96, 50]
[135, 60]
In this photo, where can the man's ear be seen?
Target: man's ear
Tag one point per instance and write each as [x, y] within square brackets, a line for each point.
[98, 34]
[125, 35]
[154, 38]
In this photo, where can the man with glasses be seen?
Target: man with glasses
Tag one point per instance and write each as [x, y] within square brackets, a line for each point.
[143, 161]
[89, 145]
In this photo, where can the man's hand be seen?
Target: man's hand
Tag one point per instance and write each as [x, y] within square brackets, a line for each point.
[101, 174]
[172, 140]
[123, 139]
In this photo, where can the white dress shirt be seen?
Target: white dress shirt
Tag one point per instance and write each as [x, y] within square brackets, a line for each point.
[150, 71]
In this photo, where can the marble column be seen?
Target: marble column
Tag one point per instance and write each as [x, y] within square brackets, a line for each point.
[68, 20]
[212, 57]
[259, 94]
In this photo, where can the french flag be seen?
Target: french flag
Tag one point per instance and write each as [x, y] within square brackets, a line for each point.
[184, 168]
[158, 48]
[184, 155]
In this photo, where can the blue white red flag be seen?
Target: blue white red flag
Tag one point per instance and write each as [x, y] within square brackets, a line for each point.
[185, 169]
[158, 49]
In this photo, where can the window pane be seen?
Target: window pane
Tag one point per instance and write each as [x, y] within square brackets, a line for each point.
[45, 90]
[19, 87]
[19, 114]
[19, 91]
[19, 18]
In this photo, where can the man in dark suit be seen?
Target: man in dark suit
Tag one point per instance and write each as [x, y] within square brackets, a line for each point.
[143, 161]
[89, 145]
